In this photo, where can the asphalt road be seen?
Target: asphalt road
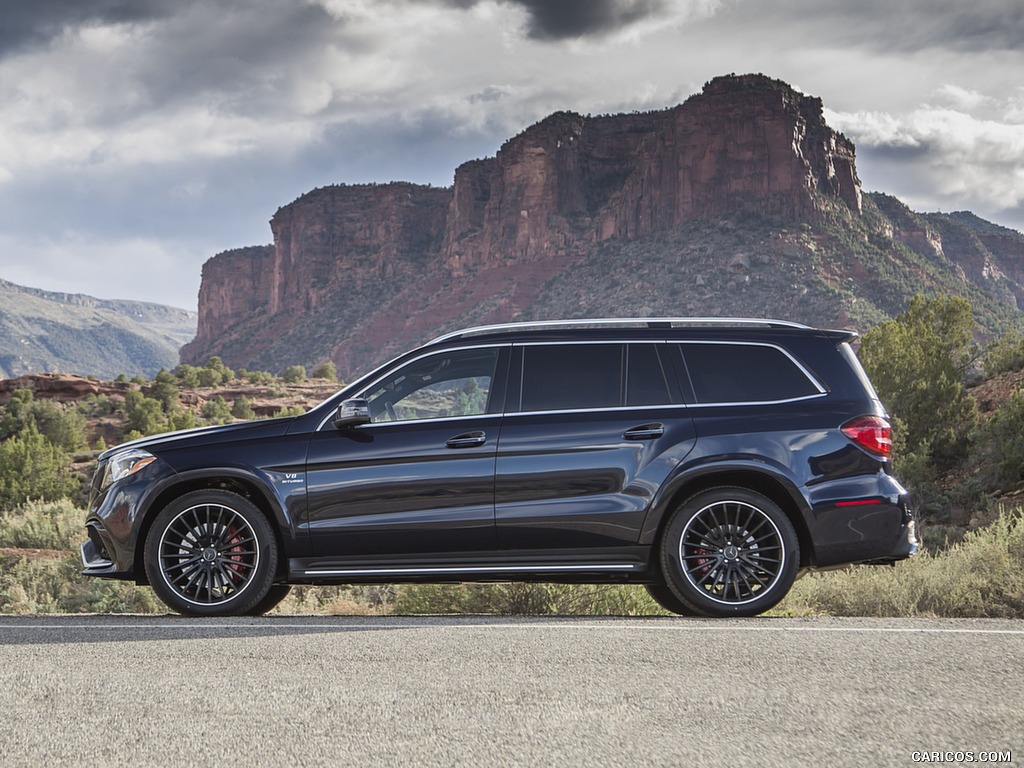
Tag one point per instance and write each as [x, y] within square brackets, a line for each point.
[358, 691]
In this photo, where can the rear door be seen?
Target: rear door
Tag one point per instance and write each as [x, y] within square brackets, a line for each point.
[591, 432]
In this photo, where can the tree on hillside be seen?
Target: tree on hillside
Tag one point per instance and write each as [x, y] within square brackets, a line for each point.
[32, 467]
[65, 427]
[294, 374]
[918, 362]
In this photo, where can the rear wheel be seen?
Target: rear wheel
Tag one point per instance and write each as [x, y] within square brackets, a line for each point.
[211, 553]
[729, 552]
[667, 599]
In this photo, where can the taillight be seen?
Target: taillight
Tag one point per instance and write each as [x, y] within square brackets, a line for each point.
[872, 433]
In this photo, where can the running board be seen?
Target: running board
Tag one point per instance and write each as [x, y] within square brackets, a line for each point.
[470, 569]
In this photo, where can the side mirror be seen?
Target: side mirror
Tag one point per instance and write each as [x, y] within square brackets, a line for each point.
[352, 413]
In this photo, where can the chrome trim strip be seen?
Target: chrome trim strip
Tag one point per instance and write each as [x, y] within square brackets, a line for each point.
[621, 322]
[468, 569]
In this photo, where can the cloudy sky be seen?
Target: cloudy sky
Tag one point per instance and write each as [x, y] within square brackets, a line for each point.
[140, 137]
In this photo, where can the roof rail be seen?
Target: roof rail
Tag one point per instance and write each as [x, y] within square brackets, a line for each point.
[618, 322]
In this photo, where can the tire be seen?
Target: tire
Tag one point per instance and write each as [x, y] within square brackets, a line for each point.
[667, 599]
[211, 553]
[271, 600]
[729, 552]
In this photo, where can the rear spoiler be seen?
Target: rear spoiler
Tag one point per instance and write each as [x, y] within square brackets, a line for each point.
[842, 337]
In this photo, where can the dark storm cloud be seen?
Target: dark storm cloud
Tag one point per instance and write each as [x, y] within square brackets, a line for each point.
[243, 48]
[574, 19]
[28, 23]
[565, 19]
[886, 25]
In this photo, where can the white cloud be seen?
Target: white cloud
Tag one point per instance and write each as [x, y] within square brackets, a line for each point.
[970, 160]
[175, 132]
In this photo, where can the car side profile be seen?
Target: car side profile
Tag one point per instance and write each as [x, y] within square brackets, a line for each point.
[710, 459]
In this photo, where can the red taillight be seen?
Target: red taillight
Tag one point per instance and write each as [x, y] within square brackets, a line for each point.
[872, 433]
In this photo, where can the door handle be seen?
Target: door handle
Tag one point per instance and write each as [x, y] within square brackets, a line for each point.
[645, 432]
[467, 440]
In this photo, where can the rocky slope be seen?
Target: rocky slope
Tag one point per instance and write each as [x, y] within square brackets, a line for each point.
[740, 201]
[73, 333]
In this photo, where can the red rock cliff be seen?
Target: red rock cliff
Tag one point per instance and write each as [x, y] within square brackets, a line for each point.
[355, 261]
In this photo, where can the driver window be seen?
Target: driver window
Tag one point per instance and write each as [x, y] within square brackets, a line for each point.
[443, 385]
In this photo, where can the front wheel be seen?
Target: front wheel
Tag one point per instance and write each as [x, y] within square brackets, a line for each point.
[729, 552]
[211, 553]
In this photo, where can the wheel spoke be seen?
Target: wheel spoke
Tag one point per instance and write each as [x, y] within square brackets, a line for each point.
[209, 553]
[731, 552]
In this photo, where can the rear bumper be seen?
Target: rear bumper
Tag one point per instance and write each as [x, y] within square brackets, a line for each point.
[861, 520]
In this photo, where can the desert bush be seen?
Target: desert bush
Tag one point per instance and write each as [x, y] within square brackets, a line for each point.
[32, 467]
[999, 445]
[1004, 354]
[64, 427]
[326, 371]
[165, 390]
[144, 415]
[216, 411]
[53, 585]
[526, 599]
[980, 577]
[292, 410]
[294, 374]
[242, 409]
[43, 525]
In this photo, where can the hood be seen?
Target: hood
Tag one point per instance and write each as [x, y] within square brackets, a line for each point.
[204, 435]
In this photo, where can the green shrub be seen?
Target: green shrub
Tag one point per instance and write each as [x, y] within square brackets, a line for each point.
[217, 411]
[143, 414]
[242, 409]
[32, 467]
[294, 374]
[188, 376]
[326, 371]
[165, 390]
[292, 410]
[1004, 354]
[917, 363]
[999, 444]
[43, 525]
[54, 585]
[64, 427]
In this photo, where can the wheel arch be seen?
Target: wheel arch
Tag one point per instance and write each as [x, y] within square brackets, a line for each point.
[241, 484]
[772, 485]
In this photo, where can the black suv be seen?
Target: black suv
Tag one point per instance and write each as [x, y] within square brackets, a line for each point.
[709, 459]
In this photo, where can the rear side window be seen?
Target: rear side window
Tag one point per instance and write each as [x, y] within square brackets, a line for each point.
[646, 383]
[560, 377]
[745, 373]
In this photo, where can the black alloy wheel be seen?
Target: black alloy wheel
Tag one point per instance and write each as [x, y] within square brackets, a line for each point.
[211, 553]
[271, 600]
[729, 552]
[666, 598]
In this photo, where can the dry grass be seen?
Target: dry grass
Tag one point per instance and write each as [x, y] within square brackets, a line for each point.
[982, 576]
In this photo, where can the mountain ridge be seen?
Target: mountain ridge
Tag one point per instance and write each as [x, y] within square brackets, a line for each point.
[49, 331]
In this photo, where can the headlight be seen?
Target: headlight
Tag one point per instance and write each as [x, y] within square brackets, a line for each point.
[125, 463]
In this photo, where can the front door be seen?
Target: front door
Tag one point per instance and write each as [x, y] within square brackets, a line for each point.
[419, 479]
